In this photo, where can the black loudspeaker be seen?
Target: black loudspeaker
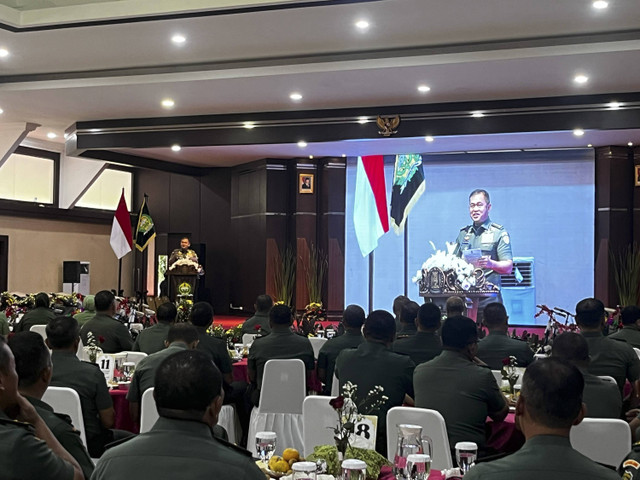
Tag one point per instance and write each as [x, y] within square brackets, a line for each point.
[70, 272]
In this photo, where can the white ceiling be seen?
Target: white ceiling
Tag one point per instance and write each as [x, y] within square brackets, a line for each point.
[464, 50]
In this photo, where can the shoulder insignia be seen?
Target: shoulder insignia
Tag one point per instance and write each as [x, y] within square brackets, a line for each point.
[18, 423]
[630, 463]
[497, 225]
[465, 228]
[636, 446]
[235, 448]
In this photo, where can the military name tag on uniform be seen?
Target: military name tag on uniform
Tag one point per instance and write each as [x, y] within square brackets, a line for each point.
[107, 364]
[364, 435]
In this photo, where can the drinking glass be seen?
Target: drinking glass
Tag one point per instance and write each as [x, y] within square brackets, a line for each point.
[304, 471]
[265, 445]
[127, 370]
[418, 466]
[353, 469]
[466, 454]
[239, 347]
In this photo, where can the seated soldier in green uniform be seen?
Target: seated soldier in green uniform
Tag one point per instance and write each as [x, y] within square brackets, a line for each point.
[630, 333]
[28, 449]
[188, 394]
[40, 315]
[550, 403]
[115, 335]
[425, 344]
[408, 316]
[352, 321]
[33, 365]
[152, 339]
[259, 323]
[497, 346]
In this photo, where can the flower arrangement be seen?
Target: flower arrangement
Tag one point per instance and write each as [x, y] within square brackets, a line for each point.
[284, 275]
[184, 262]
[184, 310]
[234, 334]
[509, 372]
[447, 261]
[309, 323]
[91, 348]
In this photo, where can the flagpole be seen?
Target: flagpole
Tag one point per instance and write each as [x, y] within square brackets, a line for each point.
[119, 276]
[406, 257]
[371, 282]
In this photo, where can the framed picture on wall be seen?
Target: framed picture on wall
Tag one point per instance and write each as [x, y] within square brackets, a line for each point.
[637, 176]
[305, 183]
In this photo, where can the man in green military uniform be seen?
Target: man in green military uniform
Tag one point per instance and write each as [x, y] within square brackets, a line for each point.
[88, 310]
[497, 346]
[608, 357]
[33, 365]
[425, 345]
[182, 336]
[114, 335]
[461, 390]
[491, 238]
[151, 340]
[372, 364]
[259, 323]
[630, 333]
[550, 403]
[408, 315]
[86, 379]
[28, 449]
[352, 320]
[182, 253]
[188, 394]
[40, 315]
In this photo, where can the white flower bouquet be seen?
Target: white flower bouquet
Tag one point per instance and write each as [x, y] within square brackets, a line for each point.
[447, 261]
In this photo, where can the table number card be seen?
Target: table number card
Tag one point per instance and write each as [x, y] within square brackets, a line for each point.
[107, 364]
[364, 435]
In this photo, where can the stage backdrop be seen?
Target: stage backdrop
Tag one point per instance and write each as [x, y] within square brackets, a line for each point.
[545, 200]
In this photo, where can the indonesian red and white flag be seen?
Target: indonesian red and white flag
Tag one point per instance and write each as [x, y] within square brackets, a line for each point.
[121, 236]
[370, 214]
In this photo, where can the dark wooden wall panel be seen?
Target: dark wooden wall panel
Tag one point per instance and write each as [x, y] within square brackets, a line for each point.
[185, 206]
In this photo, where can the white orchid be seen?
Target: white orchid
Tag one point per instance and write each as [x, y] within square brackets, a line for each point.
[447, 261]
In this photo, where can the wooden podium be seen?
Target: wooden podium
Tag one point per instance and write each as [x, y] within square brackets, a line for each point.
[183, 282]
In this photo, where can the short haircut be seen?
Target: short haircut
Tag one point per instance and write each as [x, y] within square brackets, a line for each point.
[353, 316]
[31, 357]
[202, 314]
[629, 315]
[570, 347]
[409, 312]
[589, 312]
[264, 303]
[280, 315]
[62, 332]
[495, 315]
[184, 237]
[187, 381]
[167, 313]
[398, 302]
[483, 192]
[5, 355]
[380, 325]
[182, 332]
[458, 332]
[455, 306]
[429, 316]
[104, 299]
[42, 300]
[552, 391]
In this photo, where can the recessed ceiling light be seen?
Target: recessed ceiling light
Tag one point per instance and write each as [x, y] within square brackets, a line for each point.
[1, 111]
[424, 88]
[580, 79]
[249, 125]
[362, 24]
[295, 96]
[614, 105]
[176, 147]
[168, 103]
[94, 130]
[4, 52]
[178, 39]
[302, 144]
[311, 157]
[344, 155]
[51, 135]
[363, 119]
[600, 4]
[428, 138]
[578, 132]
[630, 144]
[477, 114]
[589, 145]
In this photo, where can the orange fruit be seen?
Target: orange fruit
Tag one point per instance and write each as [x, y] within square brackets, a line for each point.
[290, 454]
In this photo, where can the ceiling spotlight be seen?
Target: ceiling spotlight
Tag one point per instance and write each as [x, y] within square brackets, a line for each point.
[580, 79]
[51, 135]
[168, 103]
[362, 24]
[295, 96]
[249, 125]
[589, 145]
[311, 157]
[302, 144]
[4, 52]
[424, 88]
[344, 155]
[178, 39]
[614, 105]
[477, 114]
[578, 132]
[176, 147]
[600, 4]
[1, 111]
[428, 138]
[630, 144]
[363, 119]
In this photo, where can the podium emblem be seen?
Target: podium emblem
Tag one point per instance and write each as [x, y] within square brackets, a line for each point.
[184, 289]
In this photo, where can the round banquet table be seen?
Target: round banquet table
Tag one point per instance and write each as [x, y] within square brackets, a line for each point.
[121, 406]
[387, 474]
[241, 374]
[504, 437]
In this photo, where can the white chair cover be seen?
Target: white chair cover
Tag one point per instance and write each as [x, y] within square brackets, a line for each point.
[316, 344]
[248, 338]
[637, 350]
[280, 410]
[609, 379]
[433, 426]
[603, 440]
[229, 421]
[498, 376]
[148, 411]
[39, 329]
[335, 386]
[66, 400]
[134, 357]
[317, 418]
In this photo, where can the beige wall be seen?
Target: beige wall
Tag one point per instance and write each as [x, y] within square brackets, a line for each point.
[37, 249]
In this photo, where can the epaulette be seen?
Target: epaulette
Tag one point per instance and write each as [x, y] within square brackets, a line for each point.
[465, 228]
[234, 447]
[18, 423]
[497, 225]
[399, 337]
[91, 363]
[636, 447]
[120, 441]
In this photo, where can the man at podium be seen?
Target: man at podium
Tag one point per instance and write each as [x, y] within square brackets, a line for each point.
[184, 252]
